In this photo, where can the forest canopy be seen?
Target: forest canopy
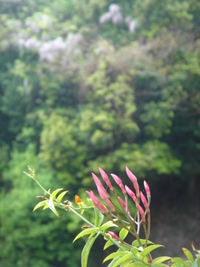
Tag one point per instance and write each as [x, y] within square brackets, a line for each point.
[92, 84]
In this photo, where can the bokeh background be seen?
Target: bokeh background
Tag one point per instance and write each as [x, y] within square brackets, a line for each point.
[97, 83]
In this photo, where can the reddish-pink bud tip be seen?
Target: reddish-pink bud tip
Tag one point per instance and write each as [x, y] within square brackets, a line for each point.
[147, 189]
[113, 235]
[133, 179]
[131, 194]
[119, 183]
[144, 201]
[105, 178]
[141, 213]
[96, 202]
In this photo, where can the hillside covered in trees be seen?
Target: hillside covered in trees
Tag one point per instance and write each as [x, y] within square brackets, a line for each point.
[86, 84]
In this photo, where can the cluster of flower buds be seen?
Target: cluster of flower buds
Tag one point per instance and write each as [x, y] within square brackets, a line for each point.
[109, 208]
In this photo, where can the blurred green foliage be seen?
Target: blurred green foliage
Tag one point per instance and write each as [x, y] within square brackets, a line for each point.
[78, 91]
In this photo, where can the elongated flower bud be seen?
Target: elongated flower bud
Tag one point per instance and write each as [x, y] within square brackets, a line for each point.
[97, 203]
[123, 204]
[106, 179]
[113, 235]
[133, 179]
[131, 194]
[102, 192]
[141, 213]
[119, 183]
[147, 189]
[144, 201]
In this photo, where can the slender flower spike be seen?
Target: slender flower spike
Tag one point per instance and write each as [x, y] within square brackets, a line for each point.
[133, 179]
[119, 183]
[131, 194]
[123, 203]
[113, 235]
[141, 213]
[147, 189]
[106, 179]
[97, 203]
[144, 201]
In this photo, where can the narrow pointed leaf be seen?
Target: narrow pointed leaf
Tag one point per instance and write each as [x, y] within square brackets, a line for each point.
[60, 197]
[114, 255]
[111, 264]
[86, 251]
[108, 244]
[55, 192]
[46, 207]
[160, 260]
[85, 232]
[149, 249]
[143, 241]
[51, 206]
[123, 233]
[137, 264]
[188, 254]
[40, 204]
[107, 225]
[123, 259]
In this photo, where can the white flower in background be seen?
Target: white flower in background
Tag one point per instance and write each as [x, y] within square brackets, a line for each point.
[105, 18]
[113, 15]
[117, 18]
[132, 26]
[113, 8]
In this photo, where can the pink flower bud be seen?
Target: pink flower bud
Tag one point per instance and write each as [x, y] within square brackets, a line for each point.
[133, 179]
[113, 235]
[147, 189]
[96, 202]
[123, 204]
[102, 191]
[144, 201]
[109, 204]
[141, 213]
[106, 179]
[131, 194]
[119, 183]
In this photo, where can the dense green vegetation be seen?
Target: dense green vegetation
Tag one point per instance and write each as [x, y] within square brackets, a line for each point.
[91, 84]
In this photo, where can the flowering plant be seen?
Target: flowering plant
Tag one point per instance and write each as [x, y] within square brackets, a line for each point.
[116, 212]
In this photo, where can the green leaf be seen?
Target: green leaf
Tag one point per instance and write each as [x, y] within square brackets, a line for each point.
[195, 263]
[86, 251]
[40, 204]
[108, 244]
[159, 265]
[60, 197]
[111, 264]
[161, 259]
[85, 232]
[143, 241]
[114, 255]
[98, 217]
[178, 260]
[123, 233]
[123, 259]
[188, 254]
[107, 225]
[149, 249]
[50, 204]
[55, 192]
[137, 264]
